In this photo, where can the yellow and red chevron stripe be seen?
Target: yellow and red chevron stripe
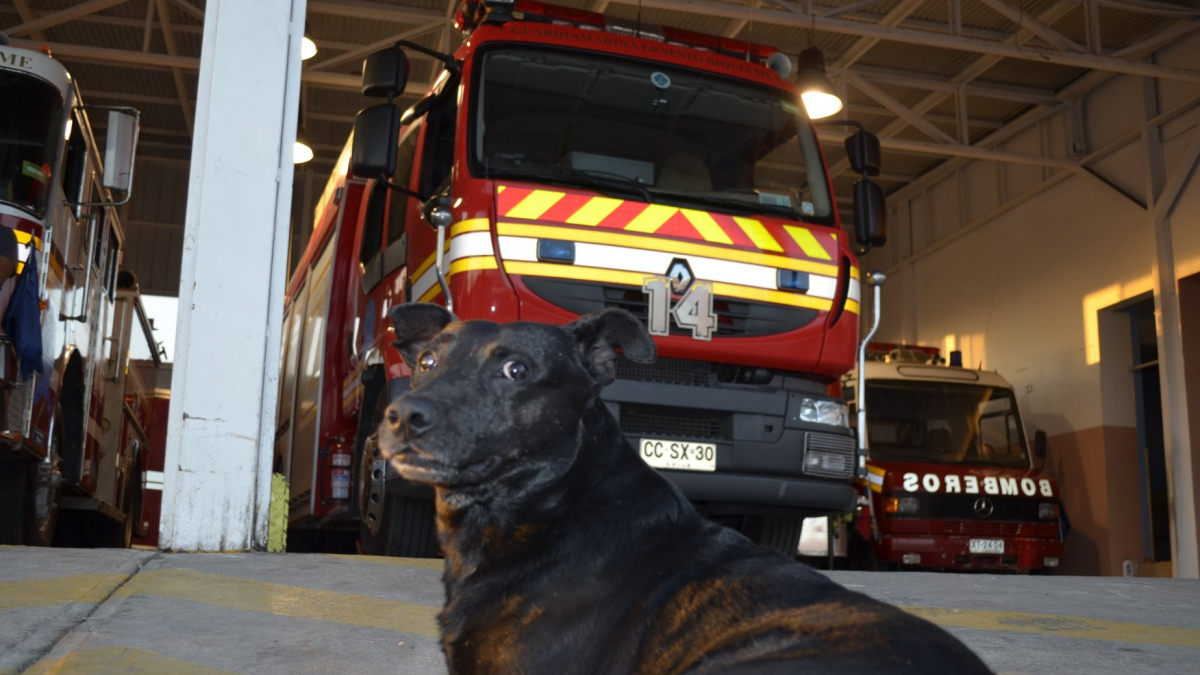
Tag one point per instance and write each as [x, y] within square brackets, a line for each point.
[567, 207]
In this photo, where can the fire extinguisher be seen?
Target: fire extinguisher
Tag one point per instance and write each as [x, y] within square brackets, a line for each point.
[339, 473]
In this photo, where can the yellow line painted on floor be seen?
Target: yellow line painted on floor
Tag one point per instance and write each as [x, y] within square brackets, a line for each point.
[58, 590]
[423, 563]
[120, 661]
[1060, 626]
[252, 595]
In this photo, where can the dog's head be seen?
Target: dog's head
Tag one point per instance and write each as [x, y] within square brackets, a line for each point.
[493, 399]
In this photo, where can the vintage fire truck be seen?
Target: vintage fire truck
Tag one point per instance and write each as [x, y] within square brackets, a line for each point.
[951, 482]
[560, 163]
[71, 420]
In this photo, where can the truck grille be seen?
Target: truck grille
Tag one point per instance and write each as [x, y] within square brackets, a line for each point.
[982, 528]
[669, 371]
[962, 507]
[735, 318]
[656, 422]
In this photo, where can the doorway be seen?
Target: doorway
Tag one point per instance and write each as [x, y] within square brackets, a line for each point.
[1152, 460]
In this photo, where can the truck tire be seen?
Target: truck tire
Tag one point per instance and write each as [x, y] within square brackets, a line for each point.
[778, 533]
[14, 498]
[407, 528]
[407, 531]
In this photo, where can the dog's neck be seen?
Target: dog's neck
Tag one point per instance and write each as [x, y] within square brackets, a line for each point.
[486, 524]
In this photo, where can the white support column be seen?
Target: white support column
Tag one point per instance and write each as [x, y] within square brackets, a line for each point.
[221, 430]
[1162, 192]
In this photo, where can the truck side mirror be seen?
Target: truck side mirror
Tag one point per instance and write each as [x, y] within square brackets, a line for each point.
[120, 150]
[863, 153]
[385, 74]
[870, 213]
[1039, 444]
[376, 133]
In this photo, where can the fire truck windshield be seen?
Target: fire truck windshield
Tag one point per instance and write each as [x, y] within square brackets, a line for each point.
[944, 424]
[657, 131]
[30, 130]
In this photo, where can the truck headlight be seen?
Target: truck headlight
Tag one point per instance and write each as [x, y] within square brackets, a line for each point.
[1048, 510]
[819, 411]
[901, 505]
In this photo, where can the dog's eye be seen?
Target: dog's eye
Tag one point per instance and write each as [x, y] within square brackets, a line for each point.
[515, 370]
[426, 361]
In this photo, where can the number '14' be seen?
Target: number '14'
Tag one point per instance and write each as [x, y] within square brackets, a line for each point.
[694, 310]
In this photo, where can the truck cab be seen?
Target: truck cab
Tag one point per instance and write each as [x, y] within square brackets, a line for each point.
[951, 482]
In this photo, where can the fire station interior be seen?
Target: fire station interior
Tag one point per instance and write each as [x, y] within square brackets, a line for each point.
[1011, 237]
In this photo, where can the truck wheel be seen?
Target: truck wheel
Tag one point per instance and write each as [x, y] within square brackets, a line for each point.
[407, 530]
[13, 501]
[46, 489]
[778, 533]
[406, 524]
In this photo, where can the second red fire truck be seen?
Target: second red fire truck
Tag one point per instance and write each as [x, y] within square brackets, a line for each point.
[560, 163]
[951, 479]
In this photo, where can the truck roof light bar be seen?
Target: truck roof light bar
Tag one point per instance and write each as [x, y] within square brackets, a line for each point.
[472, 13]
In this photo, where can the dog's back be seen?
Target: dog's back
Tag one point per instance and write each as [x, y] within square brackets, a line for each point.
[570, 555]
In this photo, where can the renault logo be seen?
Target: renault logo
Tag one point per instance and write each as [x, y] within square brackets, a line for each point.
[680, 275]
[983, 507]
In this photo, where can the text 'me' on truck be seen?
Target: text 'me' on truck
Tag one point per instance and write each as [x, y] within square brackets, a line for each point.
[951, 482]
[74, 414]
[562, 162]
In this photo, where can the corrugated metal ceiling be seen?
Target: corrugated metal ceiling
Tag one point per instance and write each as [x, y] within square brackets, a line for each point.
[122, 27]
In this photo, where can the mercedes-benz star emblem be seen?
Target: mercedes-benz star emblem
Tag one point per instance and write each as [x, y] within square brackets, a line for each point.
[983, 507]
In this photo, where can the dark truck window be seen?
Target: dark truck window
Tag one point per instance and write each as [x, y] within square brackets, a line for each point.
[30, 131]
[944, 423]
[684, 136]
[398, 211]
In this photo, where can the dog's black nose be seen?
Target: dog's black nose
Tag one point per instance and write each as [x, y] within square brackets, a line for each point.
[418, 415]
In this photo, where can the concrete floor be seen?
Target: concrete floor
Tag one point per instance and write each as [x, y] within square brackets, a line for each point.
[100, 612]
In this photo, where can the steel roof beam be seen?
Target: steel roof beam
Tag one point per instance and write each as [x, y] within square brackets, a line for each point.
[899, 109]
[948, 86]
[188, 8]
[164, 62]
[375, 12]
[864, 109]
[905, 146]
[62, 16]
[1024, 20]
[181, 88]
[973, 70]
[365, 50]
[1147, 7]
[928, 39]
[27, 16]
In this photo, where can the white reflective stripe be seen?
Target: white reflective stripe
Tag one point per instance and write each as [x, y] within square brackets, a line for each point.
[855, 290]
[23, 252]
[605, 256]
[875, 478]
[462, 246]
[152, 480]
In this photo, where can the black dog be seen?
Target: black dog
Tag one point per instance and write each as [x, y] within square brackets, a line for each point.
[566, 553]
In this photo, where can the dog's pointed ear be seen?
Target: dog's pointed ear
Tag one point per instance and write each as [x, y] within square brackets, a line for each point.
[416, 323]
[600, 334]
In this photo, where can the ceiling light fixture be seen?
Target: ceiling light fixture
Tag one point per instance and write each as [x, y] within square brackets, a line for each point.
[308, 48]
[816, 90]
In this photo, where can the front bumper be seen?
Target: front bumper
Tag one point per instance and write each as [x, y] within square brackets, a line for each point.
[761, 443]
[948, 552]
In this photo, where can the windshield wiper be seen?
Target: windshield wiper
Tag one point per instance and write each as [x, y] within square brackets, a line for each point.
[732, 202]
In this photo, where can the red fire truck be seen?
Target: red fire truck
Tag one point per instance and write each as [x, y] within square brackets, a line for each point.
[951, 483]
[70, 439]
[560, 163]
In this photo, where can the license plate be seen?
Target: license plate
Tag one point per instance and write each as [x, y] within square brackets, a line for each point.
[987, 546]
[662, 454]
